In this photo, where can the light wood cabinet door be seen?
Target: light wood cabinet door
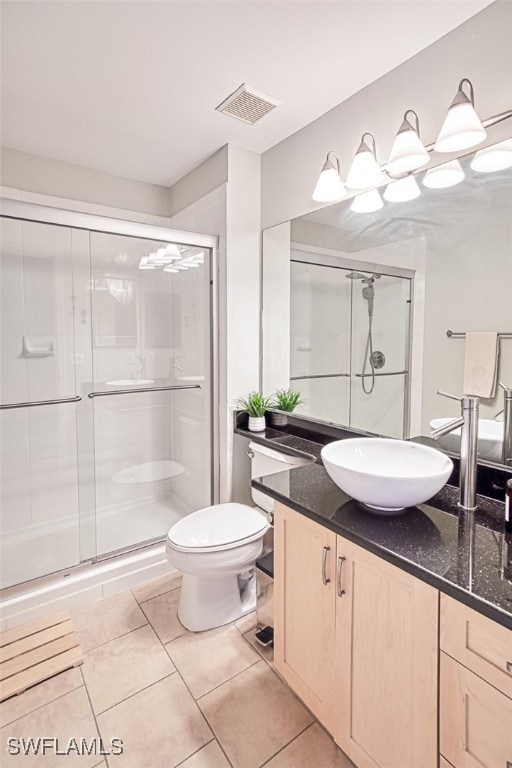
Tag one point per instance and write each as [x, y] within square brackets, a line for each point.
[477, 642]
[476, 719]
[386, 663]
[304, 605]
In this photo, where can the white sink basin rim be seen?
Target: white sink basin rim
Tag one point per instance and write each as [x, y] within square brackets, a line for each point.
[384, 474]
[490, 438]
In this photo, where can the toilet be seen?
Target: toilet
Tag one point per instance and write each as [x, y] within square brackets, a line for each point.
[216, 550]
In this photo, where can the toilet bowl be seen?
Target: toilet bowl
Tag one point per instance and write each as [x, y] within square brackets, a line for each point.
[216, 549]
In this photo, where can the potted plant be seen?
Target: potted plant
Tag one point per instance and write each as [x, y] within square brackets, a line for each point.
[255, 404]
[284, 400]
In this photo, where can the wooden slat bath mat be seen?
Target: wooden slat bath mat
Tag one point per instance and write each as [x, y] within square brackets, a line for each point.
[36, 651]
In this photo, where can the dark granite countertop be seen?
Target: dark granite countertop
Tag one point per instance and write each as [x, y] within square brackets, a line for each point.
[465, 555]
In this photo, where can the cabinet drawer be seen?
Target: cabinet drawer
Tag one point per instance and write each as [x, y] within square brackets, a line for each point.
[477, 642]
[475, 718]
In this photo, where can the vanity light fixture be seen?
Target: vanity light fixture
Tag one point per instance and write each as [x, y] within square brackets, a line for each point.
[495, 158]
[364, 171]
[144, 263]
[402, 190]
[462, 127]
[408, 153]
[367, 202]
[329, 186]
[445, 175]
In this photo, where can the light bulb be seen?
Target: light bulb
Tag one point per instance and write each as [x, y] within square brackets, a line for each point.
[495, 158]
[445, 175]
[408, 153]
[402, 190]
[462, 128]
[367, 202]
[364, 171]
[329, 186]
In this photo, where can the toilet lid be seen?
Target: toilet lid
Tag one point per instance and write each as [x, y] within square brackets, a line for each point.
[217, 526]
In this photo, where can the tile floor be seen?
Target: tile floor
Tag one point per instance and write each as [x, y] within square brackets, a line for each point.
[175, 698]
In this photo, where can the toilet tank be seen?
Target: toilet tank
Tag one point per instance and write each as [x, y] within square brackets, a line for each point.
[268, 461]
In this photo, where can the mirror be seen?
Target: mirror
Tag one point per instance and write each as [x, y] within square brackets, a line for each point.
[365, 313]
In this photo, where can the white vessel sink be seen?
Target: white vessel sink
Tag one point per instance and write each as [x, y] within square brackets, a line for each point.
[131, 383]
[490, 438]
[387, 475]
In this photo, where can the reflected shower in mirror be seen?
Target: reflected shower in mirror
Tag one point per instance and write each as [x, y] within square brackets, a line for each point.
[369, 298]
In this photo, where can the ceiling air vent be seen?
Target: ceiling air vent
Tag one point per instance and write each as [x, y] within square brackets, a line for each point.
[247, 104]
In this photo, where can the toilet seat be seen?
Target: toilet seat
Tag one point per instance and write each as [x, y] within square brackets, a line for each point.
[216, 528]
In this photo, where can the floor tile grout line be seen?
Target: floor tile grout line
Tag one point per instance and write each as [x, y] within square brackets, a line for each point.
[204, 718]
[100, 645]
[287, 744]
[31, 711]
[114, 639]
[92, 710]
[147, 599]
[136, 693]
[228, 679]
[195, 753]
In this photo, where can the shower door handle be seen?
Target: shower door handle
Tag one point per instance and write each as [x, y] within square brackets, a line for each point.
[34, 403]
[131, 391]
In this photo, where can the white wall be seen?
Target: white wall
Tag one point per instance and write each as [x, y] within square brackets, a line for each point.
[479, 49]
[233, 213]
[41, 175]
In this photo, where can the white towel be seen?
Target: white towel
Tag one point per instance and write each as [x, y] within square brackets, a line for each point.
[481, 364]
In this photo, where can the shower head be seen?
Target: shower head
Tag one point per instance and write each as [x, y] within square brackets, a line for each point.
[355, 276]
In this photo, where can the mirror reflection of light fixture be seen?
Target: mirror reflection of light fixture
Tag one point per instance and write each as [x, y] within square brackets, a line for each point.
[495, 158]
[144, 263]
[367, 202]
[122, 289]
[364, 171]
[408, 153]
[445, 175]
[462, 127]
[329, 186]
[402, 190]
[171, 268]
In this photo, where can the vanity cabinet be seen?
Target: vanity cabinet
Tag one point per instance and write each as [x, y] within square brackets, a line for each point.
[304, 605]
[386, 663]
[356, 639]
[475, 689]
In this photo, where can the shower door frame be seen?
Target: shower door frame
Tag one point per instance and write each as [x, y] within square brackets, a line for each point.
[31, 212]
[326, 257]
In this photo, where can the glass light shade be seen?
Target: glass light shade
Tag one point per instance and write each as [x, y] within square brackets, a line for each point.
[461, 128]
[408, 153]
[402, 190]
[144, 263]
[171, 269]
[171, 251]
[189, 264]
[364, 171]
[329, 186]
[495, 158]
[445, 175]
[367, 202]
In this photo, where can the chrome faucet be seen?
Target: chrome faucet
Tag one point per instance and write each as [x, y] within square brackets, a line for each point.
[506, 451]
[468, 420]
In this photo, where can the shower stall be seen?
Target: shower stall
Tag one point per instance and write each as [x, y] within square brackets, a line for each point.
[350, 340]
[107, 393]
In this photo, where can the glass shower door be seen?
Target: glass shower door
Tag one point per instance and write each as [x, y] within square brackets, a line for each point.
[150, 387]
[40, 517]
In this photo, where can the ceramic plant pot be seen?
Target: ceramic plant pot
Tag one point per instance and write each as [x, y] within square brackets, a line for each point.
[256, 423]
[278, 419]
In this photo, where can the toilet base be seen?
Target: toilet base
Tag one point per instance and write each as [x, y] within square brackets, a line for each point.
[209, 602]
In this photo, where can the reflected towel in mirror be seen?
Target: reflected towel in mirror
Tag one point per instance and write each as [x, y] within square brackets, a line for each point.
[481, 363]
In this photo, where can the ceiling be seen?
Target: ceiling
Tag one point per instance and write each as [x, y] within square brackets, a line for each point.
[130, 87]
